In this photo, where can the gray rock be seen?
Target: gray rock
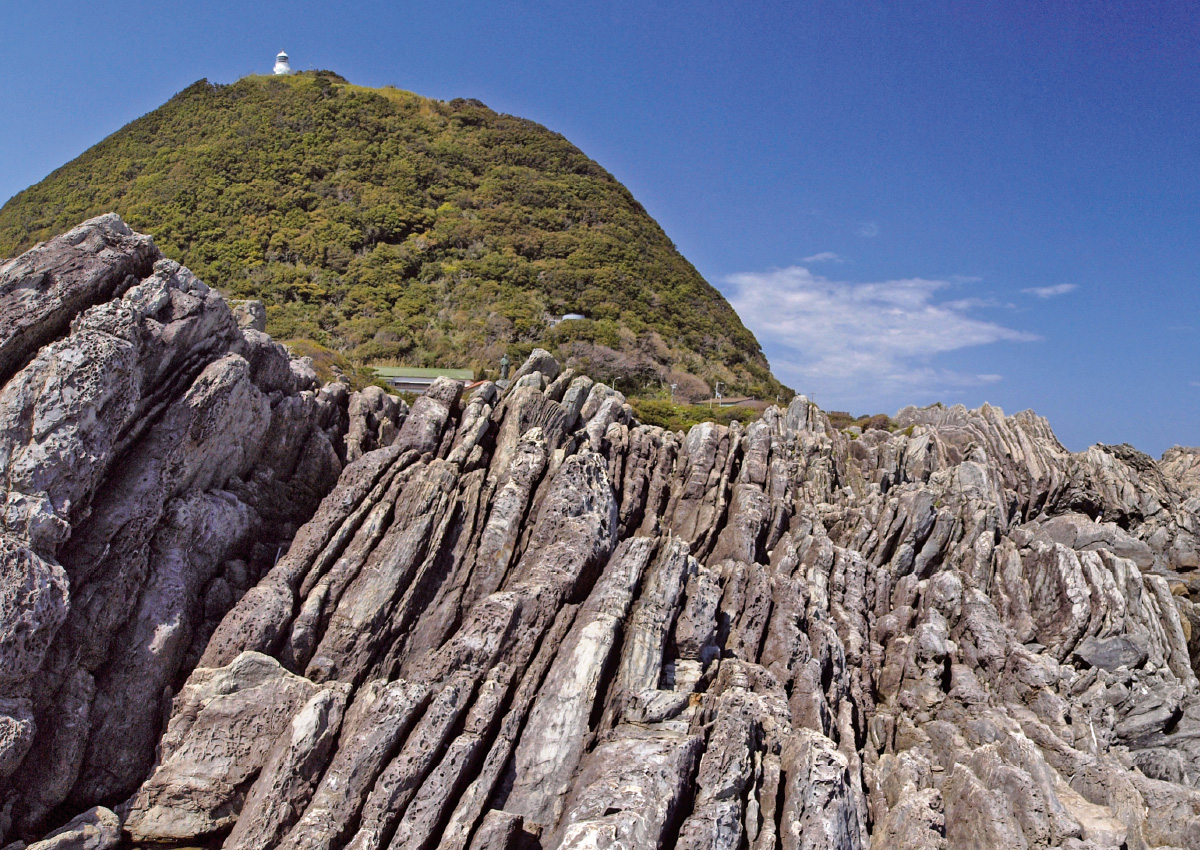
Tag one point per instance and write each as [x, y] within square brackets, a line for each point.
[96, 829]
[500, 830]
[145, 441]
[378, 721]
[539, 361]
[42, 290]
[545, 760]
[375, 420]
[195, 539]
[16, 733]
[423, 427]
[1110, 653]
[33, 605]
[628, 792]
[270, 366]
[820, 809]
[290, 773]
[575, 396]
[223, 730]
[250, 315]
[399, 782]
[304, 373]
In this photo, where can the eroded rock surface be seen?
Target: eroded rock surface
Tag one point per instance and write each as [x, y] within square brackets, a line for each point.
[157, 458]
[524, 620]
[610, 635]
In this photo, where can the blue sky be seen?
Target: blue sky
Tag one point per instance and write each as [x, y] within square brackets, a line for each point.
[964, 202]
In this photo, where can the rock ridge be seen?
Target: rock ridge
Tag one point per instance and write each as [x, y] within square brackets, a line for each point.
[156, 457]
[522, 619]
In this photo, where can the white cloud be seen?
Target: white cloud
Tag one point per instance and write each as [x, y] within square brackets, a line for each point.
[869, 229]
[824, 257]
[1050, 291]
[869, 341]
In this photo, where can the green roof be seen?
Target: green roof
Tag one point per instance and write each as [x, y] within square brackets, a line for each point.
[414, 372]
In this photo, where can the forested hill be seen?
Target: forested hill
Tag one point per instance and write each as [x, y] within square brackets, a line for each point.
[398, 229]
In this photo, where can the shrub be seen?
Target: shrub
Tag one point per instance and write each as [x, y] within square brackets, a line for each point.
[681, 417]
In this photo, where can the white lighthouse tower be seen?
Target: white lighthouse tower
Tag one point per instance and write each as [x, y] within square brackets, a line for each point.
[281, 64]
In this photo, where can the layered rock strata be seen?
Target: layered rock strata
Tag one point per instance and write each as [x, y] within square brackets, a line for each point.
[541, 624]
[156, 459]
[525, 620]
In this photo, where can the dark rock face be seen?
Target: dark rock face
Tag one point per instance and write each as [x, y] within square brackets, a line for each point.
[44, 289]
[526, 620]
[156, 458]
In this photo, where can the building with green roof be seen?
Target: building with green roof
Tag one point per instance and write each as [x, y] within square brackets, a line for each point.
[411, 379]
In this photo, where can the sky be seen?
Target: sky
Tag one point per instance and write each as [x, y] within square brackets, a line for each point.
[963, 202]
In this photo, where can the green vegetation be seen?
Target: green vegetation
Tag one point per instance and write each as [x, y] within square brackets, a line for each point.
[330, 365]
[841, 420]
[392, 229]
[681, 417]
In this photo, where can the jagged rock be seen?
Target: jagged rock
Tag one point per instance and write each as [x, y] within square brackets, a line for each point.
[574, 397]
[380, 717]
[527, 620]
[375, 420]
[191, 545]
[630, 791]
[539, 361]
[42, 290]
[287, 779]
[96, 829]
[250, 315]
[422, 428]
[33, 605]
[16, 733]
[545, 760]
[223, 729]
[500, 830]
[156, 458]
[305, 373]
[820, 808]
[1110, 653]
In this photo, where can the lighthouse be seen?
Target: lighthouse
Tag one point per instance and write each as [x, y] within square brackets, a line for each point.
[281, 64]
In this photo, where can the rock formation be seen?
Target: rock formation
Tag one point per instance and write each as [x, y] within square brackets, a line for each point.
[156, 457]
[525, 620]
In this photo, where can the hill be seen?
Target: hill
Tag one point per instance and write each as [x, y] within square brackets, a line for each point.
[392, 228]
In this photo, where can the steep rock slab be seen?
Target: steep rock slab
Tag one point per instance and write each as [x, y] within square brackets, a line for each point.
[156, 457]
[44, 289]
[631, 792]
[222, 732]
[287, 781]
[33, 605]
[193, 542]
[557, 730]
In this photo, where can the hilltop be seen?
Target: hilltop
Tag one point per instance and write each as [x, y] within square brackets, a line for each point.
[392, 228]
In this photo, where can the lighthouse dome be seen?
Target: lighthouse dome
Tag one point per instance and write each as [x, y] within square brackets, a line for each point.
[281, 64]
